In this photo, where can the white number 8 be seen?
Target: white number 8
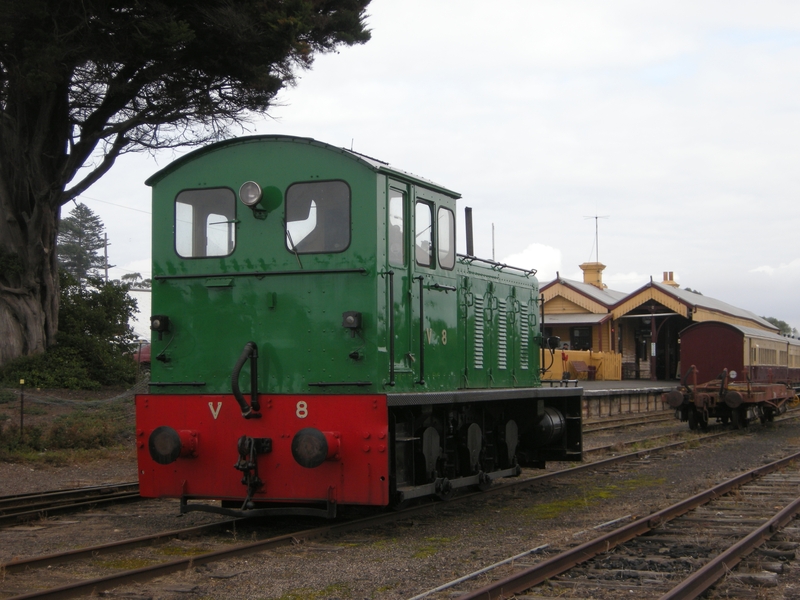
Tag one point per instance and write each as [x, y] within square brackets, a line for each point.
[302, 410]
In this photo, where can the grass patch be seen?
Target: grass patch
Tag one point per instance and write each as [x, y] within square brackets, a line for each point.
[85, 429]
[432, 547]
[181, 551]
[126, 564]
[590, 497]
[338, 589]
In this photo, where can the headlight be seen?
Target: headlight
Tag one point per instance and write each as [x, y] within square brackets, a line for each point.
[250, 193]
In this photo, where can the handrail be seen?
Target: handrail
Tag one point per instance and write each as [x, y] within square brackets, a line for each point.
[497, 266]
[421, 381]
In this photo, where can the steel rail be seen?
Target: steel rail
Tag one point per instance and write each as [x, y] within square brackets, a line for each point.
[57, 509]
[630, 423]
[629, 417]
[18, 500]
[92, 551]
[147, 573]
[528, 578]
[699, 581]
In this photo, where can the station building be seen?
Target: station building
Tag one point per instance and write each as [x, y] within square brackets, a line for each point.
[616, 335]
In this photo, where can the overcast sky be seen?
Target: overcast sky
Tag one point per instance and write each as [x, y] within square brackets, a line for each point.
[677, 122]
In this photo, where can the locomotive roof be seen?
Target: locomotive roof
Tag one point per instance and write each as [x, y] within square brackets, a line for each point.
[376, 165]
[750, 332]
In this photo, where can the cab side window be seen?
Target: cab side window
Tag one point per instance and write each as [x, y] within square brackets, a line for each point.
[423, 238]
[397, 249]
[446, 238]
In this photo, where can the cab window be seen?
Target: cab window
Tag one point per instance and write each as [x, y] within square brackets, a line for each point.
[423, 239]
[397, 250]
[446, 238]
[318, 217]
[205, 222]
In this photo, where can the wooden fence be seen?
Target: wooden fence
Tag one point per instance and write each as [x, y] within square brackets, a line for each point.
[607, 366]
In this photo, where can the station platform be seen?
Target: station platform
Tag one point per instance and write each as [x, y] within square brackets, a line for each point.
[610, 398]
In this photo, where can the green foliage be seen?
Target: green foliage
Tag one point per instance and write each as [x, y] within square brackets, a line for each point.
[93, 339]
[785, 328]
[688, 289]
[84, 81]
[80, 238]
[135, 280]
[85, 430]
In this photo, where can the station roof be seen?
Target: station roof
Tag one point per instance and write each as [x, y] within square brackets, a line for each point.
[606, 297]
[694, 301]
[575, 318]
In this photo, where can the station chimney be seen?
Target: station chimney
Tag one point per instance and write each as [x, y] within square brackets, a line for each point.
[669, 280]
[593, 274]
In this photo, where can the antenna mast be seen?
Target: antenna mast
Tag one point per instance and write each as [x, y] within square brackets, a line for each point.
[596, 234]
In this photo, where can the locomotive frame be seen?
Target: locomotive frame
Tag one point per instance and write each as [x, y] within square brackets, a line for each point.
[382, 365]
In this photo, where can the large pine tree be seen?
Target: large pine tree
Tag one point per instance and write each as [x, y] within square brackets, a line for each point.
[83, 81]
[80, 239]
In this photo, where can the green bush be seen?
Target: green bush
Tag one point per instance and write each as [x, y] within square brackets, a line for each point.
[10, 441]
[93, 342]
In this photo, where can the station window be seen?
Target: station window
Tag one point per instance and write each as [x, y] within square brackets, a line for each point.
[318, 217]
[205, 222]
[397, 248]
[446, 238]
[423, 239]
[580, 338]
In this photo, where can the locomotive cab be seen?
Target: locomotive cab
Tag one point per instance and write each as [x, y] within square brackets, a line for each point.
[314, 326]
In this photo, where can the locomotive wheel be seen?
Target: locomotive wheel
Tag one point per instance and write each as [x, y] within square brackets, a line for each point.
[445, 490]
[485, 482]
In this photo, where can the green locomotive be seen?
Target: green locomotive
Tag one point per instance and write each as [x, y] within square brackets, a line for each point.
[314, 323]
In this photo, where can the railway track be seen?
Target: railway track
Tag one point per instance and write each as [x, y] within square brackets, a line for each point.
[155, 555]
[27, 507]
[628, 421]
[676, 553]
[149, 553]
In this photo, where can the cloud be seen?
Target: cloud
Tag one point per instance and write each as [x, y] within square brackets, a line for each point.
[784, 269]
[545, 259]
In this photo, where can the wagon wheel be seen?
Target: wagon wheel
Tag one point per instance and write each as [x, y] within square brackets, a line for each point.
[739, 417]
[692, 418]
[702, 420]
[736, 419]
